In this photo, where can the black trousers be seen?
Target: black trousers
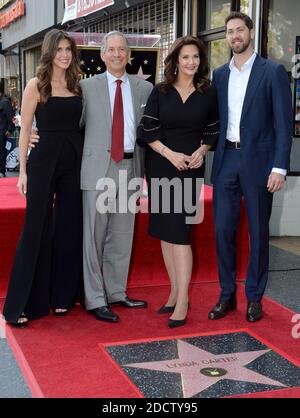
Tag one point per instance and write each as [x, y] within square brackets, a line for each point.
[47, 270]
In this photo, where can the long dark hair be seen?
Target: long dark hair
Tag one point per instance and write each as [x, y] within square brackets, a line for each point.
[45, 69]
[201, 78]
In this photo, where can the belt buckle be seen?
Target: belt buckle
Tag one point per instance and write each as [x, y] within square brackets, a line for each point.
[237, 145]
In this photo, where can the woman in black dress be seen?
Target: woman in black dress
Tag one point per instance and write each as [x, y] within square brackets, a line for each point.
[180, 125]
[47, 270]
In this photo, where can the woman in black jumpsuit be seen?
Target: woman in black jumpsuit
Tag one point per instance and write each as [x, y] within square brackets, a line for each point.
[47, 271]
[180, 125]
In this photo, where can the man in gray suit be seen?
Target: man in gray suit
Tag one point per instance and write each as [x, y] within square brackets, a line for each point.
[108, 234]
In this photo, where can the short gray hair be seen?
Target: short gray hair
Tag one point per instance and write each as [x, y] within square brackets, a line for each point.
[110, 35]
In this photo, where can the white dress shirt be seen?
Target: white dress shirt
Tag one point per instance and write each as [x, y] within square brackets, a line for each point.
[129, 122]
[237, 86]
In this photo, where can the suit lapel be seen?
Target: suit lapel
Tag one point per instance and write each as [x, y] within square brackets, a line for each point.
[224, 81]
[103, 93]
[134, 85]
[255, 78]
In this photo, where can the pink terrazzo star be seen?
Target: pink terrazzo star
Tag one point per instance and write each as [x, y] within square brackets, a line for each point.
[201, 369]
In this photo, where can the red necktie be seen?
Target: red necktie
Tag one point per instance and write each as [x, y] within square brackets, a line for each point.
[117, 144]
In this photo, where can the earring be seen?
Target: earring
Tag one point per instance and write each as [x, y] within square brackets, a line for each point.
[176, 70]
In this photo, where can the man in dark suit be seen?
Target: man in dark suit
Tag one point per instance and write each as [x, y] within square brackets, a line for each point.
[251, 160]
[6, 126]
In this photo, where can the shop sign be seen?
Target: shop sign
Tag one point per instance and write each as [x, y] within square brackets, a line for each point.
[12, 14]
[79, 8]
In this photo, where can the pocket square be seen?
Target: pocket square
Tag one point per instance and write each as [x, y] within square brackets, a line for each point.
[143, 105]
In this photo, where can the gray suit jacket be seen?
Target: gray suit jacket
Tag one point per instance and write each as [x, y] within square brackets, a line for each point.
[97, 118]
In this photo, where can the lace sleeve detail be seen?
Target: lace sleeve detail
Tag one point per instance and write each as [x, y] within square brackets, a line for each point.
[149, 129]
[211, 133]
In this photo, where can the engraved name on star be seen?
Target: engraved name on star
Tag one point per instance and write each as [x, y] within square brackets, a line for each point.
[201, 369]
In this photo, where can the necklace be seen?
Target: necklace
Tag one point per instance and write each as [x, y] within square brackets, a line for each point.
[187, 90]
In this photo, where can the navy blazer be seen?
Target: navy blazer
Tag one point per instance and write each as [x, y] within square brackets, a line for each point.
[266, 127]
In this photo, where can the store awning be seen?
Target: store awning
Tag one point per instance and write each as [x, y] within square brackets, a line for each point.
[80, 8]
[9, 66]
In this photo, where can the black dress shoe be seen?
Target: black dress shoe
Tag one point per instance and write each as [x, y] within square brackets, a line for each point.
[104, 314]
[254, 311]
[131, 303]
[222, 308]
[166, 309]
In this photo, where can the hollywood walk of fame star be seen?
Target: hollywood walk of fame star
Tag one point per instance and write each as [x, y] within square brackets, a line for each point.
[201, 369]
[130, 59]
[142, 75]
[146, 62]
[82, 62]
[98, 68]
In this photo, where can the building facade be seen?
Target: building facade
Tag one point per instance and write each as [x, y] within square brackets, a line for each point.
[277, 33]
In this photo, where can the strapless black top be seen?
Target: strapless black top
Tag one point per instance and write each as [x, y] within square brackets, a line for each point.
[59, 114]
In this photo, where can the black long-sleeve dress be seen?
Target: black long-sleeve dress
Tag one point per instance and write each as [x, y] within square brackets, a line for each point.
[47, 270]
[181, 126]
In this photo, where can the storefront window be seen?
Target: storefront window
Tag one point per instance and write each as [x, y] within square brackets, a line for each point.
[218, 52]
[216, 13]
[248, 7]
[284, 26]
[9, 72]
[283, 30]
[13, 90]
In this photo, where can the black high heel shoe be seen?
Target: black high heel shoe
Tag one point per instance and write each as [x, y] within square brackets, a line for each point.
[175, 323]
[166, 309]
[57, 312]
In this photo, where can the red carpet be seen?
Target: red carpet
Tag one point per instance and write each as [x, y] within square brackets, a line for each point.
[64, 357]
[60, 357]
[147, 264]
